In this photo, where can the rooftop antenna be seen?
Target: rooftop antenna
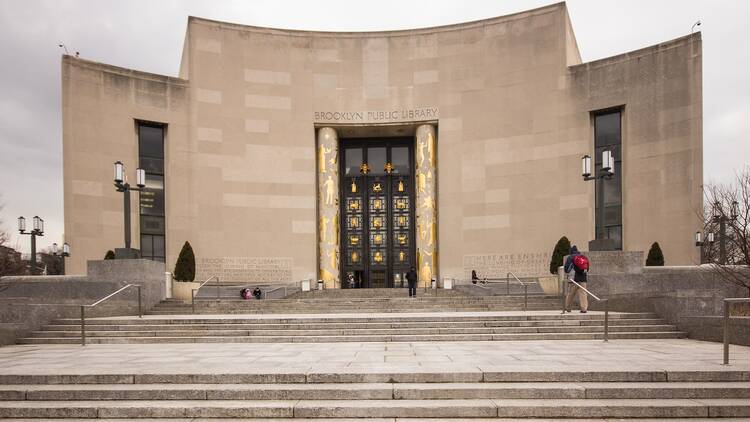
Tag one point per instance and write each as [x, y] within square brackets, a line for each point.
[692, 29]
[64, 48]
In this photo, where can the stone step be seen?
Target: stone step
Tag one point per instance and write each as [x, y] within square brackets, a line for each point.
[181, 331]
[354, 338]
[476, 317]
[488, 375]
[377, 391]
[135, 326]
[454, 408]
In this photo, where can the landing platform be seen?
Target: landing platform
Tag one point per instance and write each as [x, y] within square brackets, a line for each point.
[465, 361]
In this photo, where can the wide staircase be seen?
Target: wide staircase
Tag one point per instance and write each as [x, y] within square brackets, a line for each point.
[382, 396]
[334, 328]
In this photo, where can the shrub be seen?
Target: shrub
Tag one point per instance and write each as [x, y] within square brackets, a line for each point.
[184, 269]
[562, 248]
[110, 254]
[655, 257]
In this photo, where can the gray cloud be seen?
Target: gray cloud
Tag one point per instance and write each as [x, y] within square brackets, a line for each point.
[148, 35]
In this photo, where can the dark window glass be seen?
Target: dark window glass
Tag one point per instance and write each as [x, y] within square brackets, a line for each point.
[353, 158]
[608, 136]
[400, 160]
[376, 158]
[147, 246]
[152, 224]
[151, 159]
[152, 195]
[151, 141]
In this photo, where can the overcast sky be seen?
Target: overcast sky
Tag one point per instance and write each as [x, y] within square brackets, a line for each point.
[148, 35]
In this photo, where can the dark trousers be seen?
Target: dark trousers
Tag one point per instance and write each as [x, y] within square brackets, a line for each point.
[412, 289]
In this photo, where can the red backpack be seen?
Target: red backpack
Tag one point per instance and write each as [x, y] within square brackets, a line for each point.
[581, 262]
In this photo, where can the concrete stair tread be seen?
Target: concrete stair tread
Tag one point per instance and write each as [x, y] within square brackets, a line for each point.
[381, 408]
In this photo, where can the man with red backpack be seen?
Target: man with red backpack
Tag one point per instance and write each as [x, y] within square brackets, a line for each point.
[579, 264]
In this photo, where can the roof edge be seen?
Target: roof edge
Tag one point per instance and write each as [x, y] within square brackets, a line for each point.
[124, 71]
[629, 55]
[396, 32]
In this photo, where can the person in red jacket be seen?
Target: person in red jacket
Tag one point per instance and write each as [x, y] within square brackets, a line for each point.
[579, 277]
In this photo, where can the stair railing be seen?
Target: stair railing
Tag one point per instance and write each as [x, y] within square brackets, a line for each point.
[195, 291]
[606, 307]
[270, 293]
[728, 302]
[105, 298]
[525, 289]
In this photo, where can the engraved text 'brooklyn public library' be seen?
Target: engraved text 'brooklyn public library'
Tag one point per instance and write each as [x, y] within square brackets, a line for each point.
[389, 116]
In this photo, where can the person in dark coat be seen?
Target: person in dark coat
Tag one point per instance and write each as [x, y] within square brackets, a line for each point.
[257, 293]
[411, 278]
[579, 277]
[474, 277]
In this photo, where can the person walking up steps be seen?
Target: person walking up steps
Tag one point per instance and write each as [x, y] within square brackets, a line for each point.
[411, 277]
[579, 264]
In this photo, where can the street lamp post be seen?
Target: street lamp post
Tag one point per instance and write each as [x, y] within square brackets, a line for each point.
[122, 185]
[721, 219]
[600, 243]
[36, 230]
[64, 253]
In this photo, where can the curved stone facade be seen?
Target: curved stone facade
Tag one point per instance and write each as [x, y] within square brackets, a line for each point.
[508, 100]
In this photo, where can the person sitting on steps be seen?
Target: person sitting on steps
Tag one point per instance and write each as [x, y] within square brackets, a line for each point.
[257, 293]
[579, 264]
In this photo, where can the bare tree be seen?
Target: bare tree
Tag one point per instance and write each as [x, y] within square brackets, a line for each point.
[10, 259]
[726, 222]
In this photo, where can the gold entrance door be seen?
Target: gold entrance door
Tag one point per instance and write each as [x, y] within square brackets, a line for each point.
[378, 235]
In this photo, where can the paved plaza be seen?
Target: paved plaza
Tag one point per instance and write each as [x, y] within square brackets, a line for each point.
[455, 357]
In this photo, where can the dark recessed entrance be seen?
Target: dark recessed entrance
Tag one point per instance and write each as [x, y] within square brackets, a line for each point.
[377, 208]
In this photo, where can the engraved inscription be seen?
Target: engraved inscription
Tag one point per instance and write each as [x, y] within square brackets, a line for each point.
[246, 269]
[530, 264]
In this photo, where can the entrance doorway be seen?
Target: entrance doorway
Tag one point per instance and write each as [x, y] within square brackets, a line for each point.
[377, 209]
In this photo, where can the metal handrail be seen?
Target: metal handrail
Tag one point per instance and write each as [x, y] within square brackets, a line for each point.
[105, 298]
[525, 289]
[727, 305]
[598, 299]
[276, 289]
[195, 291]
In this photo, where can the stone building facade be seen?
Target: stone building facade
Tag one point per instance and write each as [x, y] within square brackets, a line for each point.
[284, 155]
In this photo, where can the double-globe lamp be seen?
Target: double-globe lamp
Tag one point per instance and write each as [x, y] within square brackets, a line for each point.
[601, 243]
[122, 185]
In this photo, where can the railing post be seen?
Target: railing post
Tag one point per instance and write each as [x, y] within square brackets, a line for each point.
[140, 302]
[83, 325]
[192, 299]
[507, 284]
[562, 289]
[726, 332]
[525, 297]
[606, 320]
[218, 290]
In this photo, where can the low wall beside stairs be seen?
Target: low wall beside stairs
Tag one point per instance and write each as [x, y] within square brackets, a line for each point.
[28, 302]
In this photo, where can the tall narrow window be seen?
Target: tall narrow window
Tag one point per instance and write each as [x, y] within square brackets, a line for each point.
[608, 136]
[151, 159]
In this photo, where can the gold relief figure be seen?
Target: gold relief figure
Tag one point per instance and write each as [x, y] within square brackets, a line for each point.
[429, 174]
[378, 257]
[325, 275]
[420, 155]
[330, 188]
[431, 148]
[353, 204]
[377, 239]
[322, 151]
[377, 222]
[425, 274]
[402, 256]
[401, 220]
[334, 261]
[354, 222]
[388, 167]
[421, 182]
[401, 204]
[377, 188]
[377, 204]
[364, 168]
[428, 204]
[354, 187]
[323, 228]
[354, 240]
[355, 256]
[401, 239]
[400, 185]
[336, 229]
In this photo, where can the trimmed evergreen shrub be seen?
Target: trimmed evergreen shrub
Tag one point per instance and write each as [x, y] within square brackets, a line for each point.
[110, 254]
[184, 269]
[655, 257]
[562, 248]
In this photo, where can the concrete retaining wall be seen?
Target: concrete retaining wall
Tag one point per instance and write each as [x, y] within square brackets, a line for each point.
[28, 302]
